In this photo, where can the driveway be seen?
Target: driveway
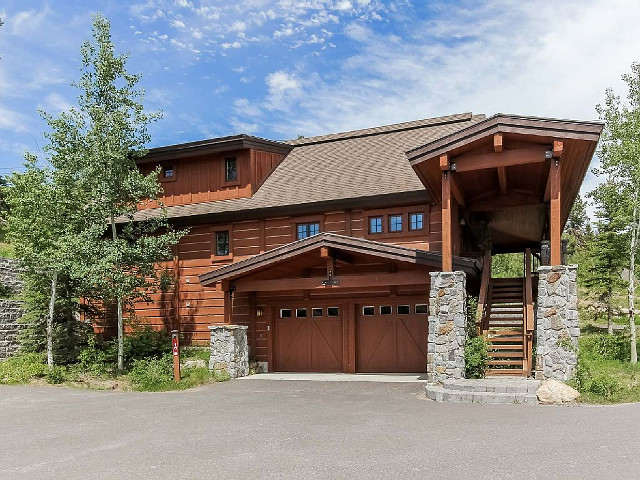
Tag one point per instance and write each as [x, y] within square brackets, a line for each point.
[290, 429]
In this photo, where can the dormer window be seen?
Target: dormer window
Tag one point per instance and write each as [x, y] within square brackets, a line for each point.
[230, 169]
[167, 171]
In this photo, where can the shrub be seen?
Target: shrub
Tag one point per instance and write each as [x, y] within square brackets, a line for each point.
[603, 385]
[22, 368]
[145, 342]
[605, 347]
[152, 374]
[56, 375]
[476, 357]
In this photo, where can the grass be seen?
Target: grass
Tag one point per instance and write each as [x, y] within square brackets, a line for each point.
[6, 250]
[605, 373]
[150, 374]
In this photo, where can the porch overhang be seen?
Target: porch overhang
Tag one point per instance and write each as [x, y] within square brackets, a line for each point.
[518, 176]
[339, 249]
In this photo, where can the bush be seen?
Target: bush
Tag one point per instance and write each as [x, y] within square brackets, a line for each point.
[476, 357]
[152, 374]
[56, 375]
[22, 368]
[145, 342]
[605, 347]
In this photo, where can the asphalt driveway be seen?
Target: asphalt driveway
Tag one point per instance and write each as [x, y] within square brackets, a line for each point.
[289, 429]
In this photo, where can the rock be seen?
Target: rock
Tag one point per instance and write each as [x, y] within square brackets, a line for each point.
[555, 392]
[194, 364]
[553, 277]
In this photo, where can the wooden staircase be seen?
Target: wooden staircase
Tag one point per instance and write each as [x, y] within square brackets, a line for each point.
[506, 320]
[504, 326]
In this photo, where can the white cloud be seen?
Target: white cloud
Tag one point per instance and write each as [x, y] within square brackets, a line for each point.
[55, 103]
[246, 108]
[178, 23]
[227, 45]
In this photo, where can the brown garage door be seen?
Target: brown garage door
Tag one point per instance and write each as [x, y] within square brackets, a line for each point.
[391, 338]
[308, 339]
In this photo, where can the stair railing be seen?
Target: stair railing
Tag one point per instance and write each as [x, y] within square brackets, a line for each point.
[482, 313]
[529, 320]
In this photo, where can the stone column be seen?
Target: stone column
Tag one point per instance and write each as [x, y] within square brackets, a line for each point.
[229, 350]
[447, 326]
[557, 329]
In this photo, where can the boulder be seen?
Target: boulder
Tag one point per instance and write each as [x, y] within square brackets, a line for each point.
[555, 392]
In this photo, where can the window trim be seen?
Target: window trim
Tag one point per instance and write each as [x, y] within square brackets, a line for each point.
[409, 222]
[405, 212]
[162, 178]
[298, 224]
[223, 170]
[382, 229]
[390, 218]
[214, 231]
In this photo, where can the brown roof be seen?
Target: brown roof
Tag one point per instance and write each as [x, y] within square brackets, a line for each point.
[339, 242]
[361, 164]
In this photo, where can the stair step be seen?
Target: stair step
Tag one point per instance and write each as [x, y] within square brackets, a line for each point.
[508, 354]
[442, 394]
[506, 362]
[504, 371]
[504, 331]
[505, 347]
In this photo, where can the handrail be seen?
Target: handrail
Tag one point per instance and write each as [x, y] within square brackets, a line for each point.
[529, 322]
[481, 314]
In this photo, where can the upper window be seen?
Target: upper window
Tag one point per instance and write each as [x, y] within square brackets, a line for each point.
[222, 243]
[375, 224]
[167, 172]
[416, 221]
[305, 230]
[395, 223]
[230, 169]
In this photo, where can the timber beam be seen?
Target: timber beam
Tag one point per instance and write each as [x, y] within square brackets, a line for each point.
[338, 256]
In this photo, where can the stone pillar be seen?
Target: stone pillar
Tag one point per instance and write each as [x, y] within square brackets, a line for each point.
[447, 326]
[557, 329]
[229, 350]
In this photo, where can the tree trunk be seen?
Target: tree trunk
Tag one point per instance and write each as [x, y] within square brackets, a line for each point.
[52, 303]
[114, 235]
[609, 322]
[632, 283]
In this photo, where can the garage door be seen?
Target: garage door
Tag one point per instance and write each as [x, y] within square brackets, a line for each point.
[391, 338]
[308, 339]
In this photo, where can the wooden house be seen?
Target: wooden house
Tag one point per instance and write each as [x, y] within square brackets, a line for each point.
[323, 246]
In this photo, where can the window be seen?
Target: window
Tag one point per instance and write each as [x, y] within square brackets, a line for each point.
[167, 172]
[385, 310]
[368, 311]
[285, 313]
[333, 312]
[301, 312]
[416, 221]
[404, 309]
[222, 243]
[230, 169]
[305, 230]
[375, 224]
[395, 223]
[422, 308]
[316, 312]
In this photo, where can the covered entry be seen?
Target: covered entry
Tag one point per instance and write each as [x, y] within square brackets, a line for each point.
[332, 303]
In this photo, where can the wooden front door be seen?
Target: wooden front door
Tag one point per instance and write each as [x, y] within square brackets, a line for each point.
[308, 339]
[391, 338]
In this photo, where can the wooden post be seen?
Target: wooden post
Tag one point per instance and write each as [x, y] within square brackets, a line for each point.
[175, 346]
[555, 213]
[447, 240]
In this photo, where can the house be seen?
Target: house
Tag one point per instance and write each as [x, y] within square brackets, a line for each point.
[354, 251]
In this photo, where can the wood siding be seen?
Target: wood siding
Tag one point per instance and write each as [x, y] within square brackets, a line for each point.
[202, 178]
[197, 307]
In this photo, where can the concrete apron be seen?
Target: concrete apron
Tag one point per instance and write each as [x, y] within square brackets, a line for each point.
[342, 377]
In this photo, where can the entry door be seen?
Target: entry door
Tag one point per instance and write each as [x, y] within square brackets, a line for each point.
[391, 338]
[308, 338]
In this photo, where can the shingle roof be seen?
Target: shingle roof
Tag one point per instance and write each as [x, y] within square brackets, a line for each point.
[356, 164]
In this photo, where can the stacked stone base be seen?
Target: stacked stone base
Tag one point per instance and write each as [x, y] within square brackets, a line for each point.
[229, 350]
[486, 390]
[10, 313]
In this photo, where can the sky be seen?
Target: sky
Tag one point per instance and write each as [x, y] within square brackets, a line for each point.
[282, 68]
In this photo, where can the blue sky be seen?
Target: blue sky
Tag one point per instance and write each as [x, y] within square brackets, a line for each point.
[282, 68]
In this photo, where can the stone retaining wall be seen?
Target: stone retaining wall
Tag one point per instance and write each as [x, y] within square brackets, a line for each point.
[10, 313]
[10, 275]
[557, 329]
[447, 326]
[10, 310]
[229, 350]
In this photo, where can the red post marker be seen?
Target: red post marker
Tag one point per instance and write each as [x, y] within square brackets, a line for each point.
[175, 347]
